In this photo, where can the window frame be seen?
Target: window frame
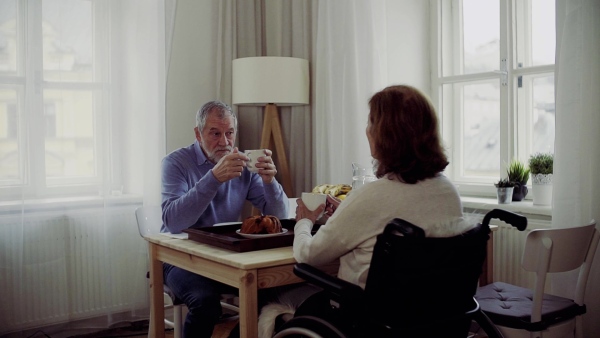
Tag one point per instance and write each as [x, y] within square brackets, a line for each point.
[515, 129]
[30, 86]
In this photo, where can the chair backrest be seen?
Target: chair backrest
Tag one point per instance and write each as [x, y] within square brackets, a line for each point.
[559, 250]
[413, 279]
[149, 219]
[565, 249]
[292, 204]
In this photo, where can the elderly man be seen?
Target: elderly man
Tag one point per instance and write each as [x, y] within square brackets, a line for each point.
[204, 184]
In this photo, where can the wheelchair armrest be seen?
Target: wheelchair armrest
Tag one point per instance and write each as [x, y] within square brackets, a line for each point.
[340, 290]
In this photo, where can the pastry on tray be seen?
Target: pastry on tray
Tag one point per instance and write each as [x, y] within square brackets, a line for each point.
[336, 190]
[267, 224]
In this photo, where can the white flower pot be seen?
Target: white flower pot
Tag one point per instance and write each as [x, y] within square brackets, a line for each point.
[542, 189]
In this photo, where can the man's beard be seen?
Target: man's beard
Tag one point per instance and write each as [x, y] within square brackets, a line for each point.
[218, 153]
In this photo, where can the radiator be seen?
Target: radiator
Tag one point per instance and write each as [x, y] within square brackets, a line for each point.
[58, 267]
[509, 244]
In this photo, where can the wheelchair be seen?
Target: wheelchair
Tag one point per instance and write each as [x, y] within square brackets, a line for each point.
[417, 286]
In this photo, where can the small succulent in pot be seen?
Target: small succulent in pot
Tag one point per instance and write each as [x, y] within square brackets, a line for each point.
[504, 191]
[504, 183]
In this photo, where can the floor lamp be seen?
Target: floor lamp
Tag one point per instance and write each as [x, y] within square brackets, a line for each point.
[270, 82]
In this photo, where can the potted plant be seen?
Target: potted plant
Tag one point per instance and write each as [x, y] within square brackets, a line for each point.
[541, 166]
[518, 173]
[504, 190]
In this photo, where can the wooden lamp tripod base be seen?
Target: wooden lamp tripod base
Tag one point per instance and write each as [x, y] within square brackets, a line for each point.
[272, 126]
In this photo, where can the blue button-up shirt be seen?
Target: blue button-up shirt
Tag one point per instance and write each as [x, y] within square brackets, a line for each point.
[192, 196]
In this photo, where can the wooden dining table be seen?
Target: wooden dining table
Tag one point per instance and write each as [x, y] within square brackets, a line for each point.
[247, 271]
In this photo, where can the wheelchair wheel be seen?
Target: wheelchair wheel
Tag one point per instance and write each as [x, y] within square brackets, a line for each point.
[309, 327]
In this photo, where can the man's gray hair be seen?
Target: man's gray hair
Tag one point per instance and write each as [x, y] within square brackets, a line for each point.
[221, 109]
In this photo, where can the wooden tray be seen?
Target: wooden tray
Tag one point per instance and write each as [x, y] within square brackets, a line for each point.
[224, 236]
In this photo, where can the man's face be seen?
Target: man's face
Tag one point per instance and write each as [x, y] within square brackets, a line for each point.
[217, 137]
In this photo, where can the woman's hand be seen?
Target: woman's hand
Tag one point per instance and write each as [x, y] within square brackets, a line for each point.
[332, 205]
[303, 212]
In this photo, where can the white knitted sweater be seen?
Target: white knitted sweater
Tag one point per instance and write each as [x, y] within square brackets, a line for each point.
[350, 234]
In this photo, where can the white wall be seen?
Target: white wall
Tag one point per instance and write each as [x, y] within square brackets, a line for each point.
[192, 70]
[408, 43]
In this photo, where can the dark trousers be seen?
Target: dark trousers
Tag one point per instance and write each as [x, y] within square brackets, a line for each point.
[201, 295]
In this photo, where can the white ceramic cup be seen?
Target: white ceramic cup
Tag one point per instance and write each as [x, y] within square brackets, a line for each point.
[313, 200]
[253, 155]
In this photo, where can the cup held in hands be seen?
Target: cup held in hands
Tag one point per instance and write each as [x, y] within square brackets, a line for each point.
[253, 155]
[313, 200]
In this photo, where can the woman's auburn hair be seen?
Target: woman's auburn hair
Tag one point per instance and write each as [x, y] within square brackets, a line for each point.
[405, 133]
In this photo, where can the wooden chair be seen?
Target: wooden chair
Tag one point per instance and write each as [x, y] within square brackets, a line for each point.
[522, 312]
[149, 220]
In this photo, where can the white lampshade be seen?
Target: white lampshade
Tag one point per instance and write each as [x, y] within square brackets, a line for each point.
[257, 81]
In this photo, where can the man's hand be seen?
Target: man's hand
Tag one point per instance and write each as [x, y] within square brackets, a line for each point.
[266, 167]
[230, 166]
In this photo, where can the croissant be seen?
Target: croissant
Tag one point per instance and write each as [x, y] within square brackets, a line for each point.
[267, 224]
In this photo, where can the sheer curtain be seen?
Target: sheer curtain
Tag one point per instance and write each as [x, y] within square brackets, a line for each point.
[345, 43]
[576, 192]
[240, 29]
[349, 67]
[268, 28]
[289, 32]
[82, 115]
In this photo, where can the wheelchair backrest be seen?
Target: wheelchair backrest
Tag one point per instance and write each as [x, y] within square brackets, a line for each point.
[421, 278]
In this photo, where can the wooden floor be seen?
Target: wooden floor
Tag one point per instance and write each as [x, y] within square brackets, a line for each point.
[140, 329]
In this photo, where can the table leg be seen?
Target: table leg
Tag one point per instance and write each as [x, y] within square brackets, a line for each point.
[157, 305]
[248, 292]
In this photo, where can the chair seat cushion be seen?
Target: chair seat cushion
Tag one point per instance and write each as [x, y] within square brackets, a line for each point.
[510, 305]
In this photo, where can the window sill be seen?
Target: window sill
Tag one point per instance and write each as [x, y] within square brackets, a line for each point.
[53, 204]
[526, 207]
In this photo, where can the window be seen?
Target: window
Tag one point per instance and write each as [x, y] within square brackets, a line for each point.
[54, 96]
[493, 85]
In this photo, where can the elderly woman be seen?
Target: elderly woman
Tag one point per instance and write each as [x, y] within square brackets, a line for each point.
[405, 142]
[409, 158]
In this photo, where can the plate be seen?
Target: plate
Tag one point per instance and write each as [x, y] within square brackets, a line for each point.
[283, 231]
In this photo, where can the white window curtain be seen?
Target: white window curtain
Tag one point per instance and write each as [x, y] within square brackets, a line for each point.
[240, 35]
[268, 28]
[576, 183]
[349, 67]
[74, 259]
[346, 45]
[288, 32]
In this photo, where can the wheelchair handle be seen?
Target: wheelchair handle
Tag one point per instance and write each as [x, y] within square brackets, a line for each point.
[516, 220]
[406, 228]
